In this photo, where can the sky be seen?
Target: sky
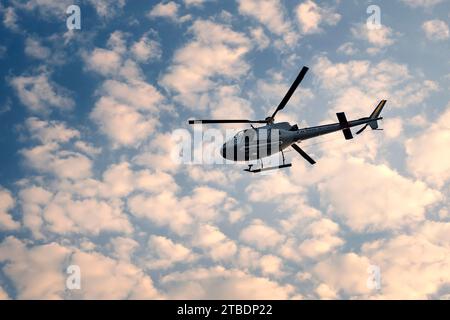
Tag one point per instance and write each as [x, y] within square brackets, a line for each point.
[94, 205]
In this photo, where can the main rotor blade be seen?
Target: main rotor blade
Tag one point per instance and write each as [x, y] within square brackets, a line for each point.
[227, 121]
[303, 153]
[291, 90]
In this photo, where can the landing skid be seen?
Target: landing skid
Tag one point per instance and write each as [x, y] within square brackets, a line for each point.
[268, 168]
[284, 165]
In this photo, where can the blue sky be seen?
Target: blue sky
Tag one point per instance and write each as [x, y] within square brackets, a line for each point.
[88, 178]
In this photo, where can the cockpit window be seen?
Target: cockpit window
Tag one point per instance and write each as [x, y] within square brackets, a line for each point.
[239, 136]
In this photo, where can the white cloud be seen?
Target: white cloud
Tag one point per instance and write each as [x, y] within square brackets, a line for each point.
[271, 14]
[127, 109]
[106, 278]
[50, 131]
[45, 7]
[203, 205]
[7, 203]
[325, 292]
[436, 30]
[426, 157]
[39, 94]
[63, 207]
[10, 18]
[226, 100]
[87, 148]
[268, 265]
[83, 188]
[119, 180]
[35, 49]
[248, 258]
[418, 274]
[138, 95]
[73, 202]
[3, 294]
[107, 8]
[116, 61]
[33, 200]
[393, 127]
[215, 51]
[260, 37]
[413, 266]
[271, 265]
[221, 283]
[163, 209]
[60, 213]
[378, 37]
[124, 125]
[383, 200]
[204, 175]
[50, 158]
[156, 181]
[45, 280]
[309, 235]
[103, 61]
[157, 154]
[123, 248]
[261, 191]
[358, 85]
[261, 235]
[217, 245]
[55, 154]
[310, 16]
[164, 253]
[347, 48]
[146, 49]
[102, 277]
[345, 273]
[167, 10]
[117, 42]
[193, 2]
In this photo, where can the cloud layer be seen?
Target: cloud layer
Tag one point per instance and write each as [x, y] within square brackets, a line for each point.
[90, 181]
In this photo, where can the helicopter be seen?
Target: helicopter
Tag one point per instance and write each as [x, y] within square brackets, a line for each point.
[257, 143]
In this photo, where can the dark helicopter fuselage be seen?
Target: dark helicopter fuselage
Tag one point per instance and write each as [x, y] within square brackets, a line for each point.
[264, 141]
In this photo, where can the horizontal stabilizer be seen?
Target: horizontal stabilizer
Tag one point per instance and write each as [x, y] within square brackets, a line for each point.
[344, 125]
[347, 134]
